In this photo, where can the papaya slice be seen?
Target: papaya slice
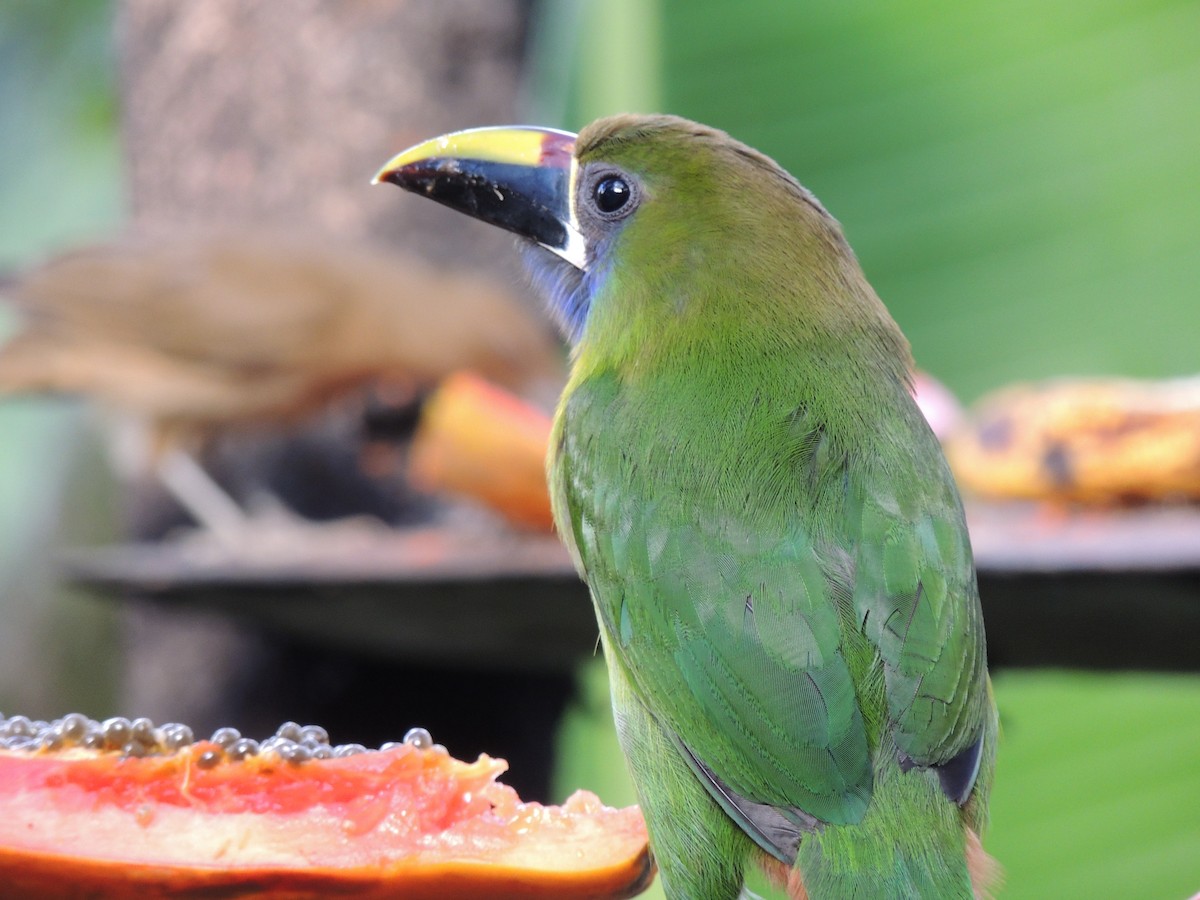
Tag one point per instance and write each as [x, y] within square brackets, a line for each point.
[477, 440]
[125, 809]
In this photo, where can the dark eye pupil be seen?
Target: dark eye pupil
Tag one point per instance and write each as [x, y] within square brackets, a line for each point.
[611, 193]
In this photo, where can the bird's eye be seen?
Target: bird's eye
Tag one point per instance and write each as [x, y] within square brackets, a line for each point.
[611, 193]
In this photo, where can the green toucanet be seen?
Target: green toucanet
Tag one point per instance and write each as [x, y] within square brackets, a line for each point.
[773, 541]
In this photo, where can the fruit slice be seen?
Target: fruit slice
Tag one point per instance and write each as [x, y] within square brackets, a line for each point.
[1104, 441]
[165, 817]
[477, 440]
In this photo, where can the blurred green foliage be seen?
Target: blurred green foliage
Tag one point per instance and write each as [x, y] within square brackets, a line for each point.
[1097, 786]
[61, 183]
[58, 136]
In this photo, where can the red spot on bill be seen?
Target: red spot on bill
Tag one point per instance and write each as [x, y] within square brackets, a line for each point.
[557, 150]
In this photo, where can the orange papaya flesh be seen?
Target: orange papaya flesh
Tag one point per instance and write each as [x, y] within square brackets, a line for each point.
[407, 821]
[477, 440]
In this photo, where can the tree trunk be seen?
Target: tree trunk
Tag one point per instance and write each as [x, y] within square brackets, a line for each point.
[278, 112]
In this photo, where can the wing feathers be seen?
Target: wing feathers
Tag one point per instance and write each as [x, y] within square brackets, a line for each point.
[776, 830]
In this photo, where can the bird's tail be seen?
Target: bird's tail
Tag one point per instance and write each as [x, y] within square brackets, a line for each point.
[912, 842]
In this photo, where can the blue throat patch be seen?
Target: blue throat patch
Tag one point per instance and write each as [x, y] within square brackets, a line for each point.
[566, 290]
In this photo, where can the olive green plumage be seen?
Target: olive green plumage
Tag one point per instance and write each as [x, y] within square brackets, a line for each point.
[773, 542]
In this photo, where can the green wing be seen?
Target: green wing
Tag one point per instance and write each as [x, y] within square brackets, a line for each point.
[777, 624]
[916, 600]
[732, 640]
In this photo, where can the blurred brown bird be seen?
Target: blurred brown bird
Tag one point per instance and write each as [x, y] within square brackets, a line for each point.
[195, 333]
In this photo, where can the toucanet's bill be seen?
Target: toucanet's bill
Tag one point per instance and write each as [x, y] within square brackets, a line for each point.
[773, 541]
